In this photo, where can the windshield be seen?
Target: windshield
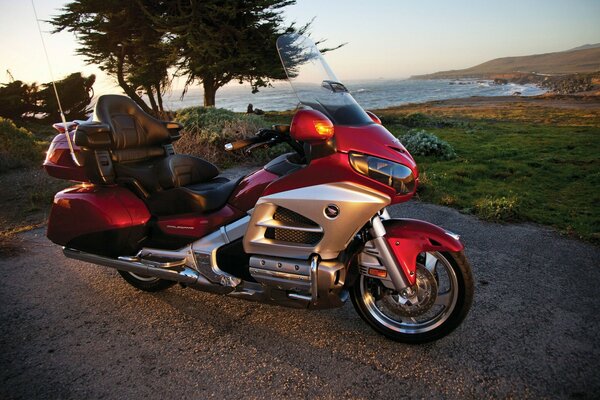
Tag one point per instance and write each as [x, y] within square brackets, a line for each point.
[314, 82]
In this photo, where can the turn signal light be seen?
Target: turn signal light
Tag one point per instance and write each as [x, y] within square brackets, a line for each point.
[311, 126]
[380, 273]
[324, 128]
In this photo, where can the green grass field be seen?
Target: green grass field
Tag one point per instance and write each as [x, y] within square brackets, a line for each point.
[514, 171]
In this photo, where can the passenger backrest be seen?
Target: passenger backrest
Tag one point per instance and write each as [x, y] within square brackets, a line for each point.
[122, 141]
[136, 136]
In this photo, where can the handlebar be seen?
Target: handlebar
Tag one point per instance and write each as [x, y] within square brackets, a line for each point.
[240, 144]
[266, 138]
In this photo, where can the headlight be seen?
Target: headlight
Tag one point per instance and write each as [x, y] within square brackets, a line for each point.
[387, 172]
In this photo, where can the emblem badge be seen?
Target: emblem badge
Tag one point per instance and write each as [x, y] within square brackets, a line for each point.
[332, 211]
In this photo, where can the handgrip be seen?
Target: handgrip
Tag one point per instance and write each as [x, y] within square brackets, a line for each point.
[240, 144]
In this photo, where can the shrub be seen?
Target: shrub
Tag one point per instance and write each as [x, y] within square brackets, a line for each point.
[423, 143]
[498, 209]
[18, 147]
[207, 130]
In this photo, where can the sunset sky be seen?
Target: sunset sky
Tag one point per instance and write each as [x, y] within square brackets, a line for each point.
[386, 38]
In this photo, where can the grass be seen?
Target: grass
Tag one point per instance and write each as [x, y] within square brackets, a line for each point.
[25, 201]
[515, 171]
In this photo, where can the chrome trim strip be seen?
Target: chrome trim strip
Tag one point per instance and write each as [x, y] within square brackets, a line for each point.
[314, 286]
[166, 264]
[237, 229]
[297, 296]
[277, 274]
[295, 267]
[272, 223]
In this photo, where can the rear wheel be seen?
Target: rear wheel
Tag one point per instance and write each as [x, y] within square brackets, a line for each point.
[431, 309]
[146, 283]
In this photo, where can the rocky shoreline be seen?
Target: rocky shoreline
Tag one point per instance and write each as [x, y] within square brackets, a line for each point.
[561, 84]
[584, 83]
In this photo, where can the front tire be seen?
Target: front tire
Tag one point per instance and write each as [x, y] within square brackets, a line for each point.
[446, 274]
[146, 283]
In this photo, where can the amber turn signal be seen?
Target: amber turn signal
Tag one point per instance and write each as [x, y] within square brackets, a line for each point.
[380, 273]
[311, 126]
[324, 128]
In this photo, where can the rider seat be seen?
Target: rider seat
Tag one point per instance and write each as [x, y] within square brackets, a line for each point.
[124, 145]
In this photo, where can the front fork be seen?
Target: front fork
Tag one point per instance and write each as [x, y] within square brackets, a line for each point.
[393, 267]
[398, 242]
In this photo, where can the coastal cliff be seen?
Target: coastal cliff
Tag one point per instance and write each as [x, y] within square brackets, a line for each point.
[566, 72]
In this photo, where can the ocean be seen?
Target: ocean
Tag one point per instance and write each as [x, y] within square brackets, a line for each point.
[370, 94]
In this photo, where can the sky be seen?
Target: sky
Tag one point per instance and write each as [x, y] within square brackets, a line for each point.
[389, 39]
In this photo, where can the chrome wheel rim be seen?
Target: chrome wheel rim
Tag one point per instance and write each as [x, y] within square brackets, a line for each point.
[380, 305]
[143, 278]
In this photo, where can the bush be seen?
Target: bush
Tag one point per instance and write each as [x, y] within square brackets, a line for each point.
[423, 143]
[207, 130]
[18, 147]
[499, 209]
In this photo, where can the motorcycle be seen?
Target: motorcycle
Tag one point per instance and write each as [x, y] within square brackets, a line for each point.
[310, 229]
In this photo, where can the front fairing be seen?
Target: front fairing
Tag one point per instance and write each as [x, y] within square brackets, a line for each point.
[318, 88]
[373, 140]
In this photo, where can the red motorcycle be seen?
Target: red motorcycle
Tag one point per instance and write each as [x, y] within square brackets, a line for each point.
[309, 229]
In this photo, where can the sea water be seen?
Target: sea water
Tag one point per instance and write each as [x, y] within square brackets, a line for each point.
[370, 94]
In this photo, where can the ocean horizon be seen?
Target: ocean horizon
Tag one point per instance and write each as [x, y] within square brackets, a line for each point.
[370, 94]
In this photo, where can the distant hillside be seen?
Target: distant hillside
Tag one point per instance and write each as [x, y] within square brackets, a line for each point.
[585, 46]
[579, 60]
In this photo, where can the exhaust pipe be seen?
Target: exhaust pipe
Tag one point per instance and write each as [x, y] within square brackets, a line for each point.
[183, 274]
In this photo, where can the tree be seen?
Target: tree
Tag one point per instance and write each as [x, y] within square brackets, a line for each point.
[17, 98]
[219, 41]
[119, 37]
[76, 93]
[20, 100]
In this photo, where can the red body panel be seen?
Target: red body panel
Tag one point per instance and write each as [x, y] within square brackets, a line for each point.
[333, 168]
[59, 163]
[373, 117]
[374, 140]
[250, 189]
[371, 139]
[195, 226]
[409, 237]
[83, 209]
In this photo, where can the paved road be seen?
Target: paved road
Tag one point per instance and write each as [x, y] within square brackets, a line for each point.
[71, 330]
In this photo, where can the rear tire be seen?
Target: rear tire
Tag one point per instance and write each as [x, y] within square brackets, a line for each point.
[381, 308]
[146, 283]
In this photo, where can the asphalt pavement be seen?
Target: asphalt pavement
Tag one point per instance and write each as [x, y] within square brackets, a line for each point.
[72, 330]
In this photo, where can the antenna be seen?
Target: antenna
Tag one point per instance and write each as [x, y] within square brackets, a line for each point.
[62, 114]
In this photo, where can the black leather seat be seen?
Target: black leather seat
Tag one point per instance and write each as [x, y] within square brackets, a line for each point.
[125, 145]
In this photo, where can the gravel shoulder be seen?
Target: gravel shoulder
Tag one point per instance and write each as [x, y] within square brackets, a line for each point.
[72, 330]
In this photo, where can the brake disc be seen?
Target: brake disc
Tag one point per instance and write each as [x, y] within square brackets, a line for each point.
[419, 299]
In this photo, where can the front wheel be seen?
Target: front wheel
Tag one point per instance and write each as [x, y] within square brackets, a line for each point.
[431, 309]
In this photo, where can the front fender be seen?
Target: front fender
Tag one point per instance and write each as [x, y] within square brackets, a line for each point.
[409, 237]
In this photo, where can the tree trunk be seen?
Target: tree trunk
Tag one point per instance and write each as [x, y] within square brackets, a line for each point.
[129, 91]
[210, 90]
[159, 98]
[150, 95]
